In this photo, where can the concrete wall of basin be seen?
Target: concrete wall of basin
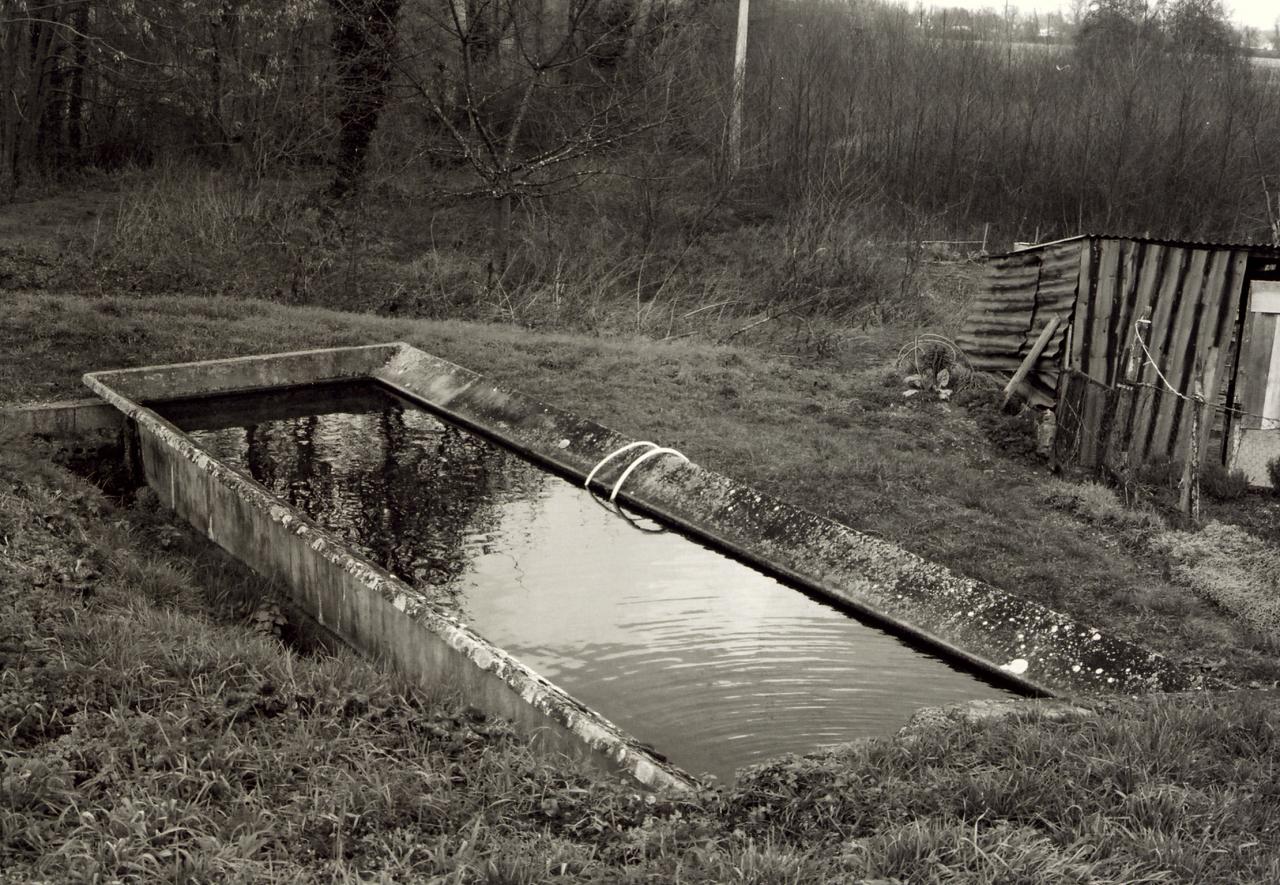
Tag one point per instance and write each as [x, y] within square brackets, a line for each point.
[351, 597]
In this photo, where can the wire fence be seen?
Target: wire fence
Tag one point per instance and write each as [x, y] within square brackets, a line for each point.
[1104, 423]
[1076, 418]
[1227, 409]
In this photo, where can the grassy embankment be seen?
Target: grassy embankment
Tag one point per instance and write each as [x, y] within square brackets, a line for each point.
[279, 766]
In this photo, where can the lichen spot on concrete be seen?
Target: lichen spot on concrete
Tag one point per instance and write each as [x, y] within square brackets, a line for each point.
[482, 657]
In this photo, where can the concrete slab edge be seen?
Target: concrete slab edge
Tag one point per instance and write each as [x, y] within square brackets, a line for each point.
[181, 380]
[67, 419]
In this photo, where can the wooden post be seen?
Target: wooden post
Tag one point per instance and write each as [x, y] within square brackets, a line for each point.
[739, 88]
[1029, 363]
[1126, 402]
[1189, 500]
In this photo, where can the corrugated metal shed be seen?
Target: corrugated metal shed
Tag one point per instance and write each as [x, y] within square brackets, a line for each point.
[1192, 296]
[1022, 291]
[1101, 286]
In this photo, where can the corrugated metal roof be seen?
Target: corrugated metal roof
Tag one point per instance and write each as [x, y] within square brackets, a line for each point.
[1268, 249]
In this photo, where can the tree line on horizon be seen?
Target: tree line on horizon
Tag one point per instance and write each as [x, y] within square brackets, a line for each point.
[1153, 121]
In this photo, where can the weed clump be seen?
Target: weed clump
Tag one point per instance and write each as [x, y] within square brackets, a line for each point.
[934, 364]
[1273, 474]
[1099, 504]
[1223, 484]
[1231, 567]
[1159, 471]
[1216, 480]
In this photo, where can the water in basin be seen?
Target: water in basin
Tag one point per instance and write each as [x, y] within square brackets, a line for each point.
[715, 664]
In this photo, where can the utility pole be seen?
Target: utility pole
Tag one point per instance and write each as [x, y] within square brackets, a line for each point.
[739, 88]
[1008, 34]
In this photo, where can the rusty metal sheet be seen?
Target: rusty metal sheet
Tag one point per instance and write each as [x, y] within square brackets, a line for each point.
[1264, 250]
[1174, 355]
[1023, 306]
[1164, 309]
[1021, 292]
[1211, 347]
[1133, 256]
[1076, 359]
[1016, 280]
[1107, 292]
[1096, 352]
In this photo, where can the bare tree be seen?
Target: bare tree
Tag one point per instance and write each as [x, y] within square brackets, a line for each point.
[531, 96]
[31, 71]
[364, 36]
[109, 82]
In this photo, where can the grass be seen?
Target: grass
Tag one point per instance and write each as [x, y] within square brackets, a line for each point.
[149, 733]
[699, 264]
[1099, 504]
[142, 739]
[1231, 567]
[832, 433]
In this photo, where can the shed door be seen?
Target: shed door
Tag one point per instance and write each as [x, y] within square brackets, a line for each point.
[1258, 383]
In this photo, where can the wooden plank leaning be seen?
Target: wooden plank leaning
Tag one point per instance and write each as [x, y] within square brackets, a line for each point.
[1029, 363]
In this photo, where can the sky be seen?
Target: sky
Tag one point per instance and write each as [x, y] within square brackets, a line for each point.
[1258, 13]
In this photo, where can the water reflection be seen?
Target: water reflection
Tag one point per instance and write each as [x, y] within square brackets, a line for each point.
[712, 662]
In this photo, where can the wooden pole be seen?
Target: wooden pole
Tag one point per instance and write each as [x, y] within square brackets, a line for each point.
[1126, 402]
[1029, 363]
[1189, 501]
[739, 88]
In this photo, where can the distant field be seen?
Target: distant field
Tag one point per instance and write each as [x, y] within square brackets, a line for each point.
[1025, 49]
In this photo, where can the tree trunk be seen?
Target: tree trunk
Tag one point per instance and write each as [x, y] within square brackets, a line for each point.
[51, 142]
[501, 253]
[9, 110]
[24, 114]
[363, 41]
[75, 101]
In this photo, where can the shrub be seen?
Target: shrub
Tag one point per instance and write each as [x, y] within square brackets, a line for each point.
[1273, 473]
[1222, 484]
